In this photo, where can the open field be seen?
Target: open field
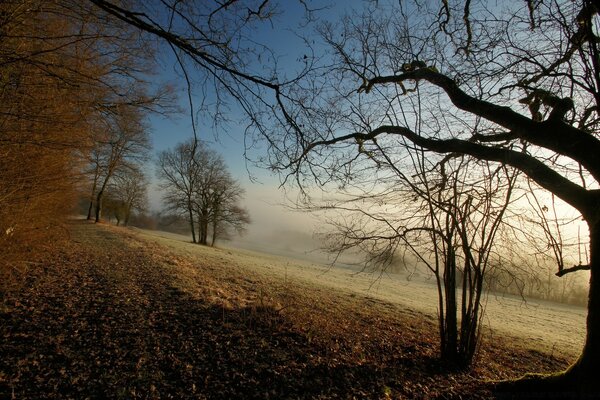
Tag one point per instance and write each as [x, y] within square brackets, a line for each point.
[118, 313]
[553, 327]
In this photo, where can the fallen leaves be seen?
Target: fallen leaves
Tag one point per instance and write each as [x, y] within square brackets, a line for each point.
[113, 316]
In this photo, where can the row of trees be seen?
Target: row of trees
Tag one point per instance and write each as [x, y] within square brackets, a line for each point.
[194, 179]
[61, 75]
[537, 282]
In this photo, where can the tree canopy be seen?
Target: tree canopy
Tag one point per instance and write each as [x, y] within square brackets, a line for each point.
[197, 185]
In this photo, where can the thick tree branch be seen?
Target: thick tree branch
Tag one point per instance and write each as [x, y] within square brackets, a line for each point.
[498, 137]
[552, 134]
[585, 201]
[564, 271]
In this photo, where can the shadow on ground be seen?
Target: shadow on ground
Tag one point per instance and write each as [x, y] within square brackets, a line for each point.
[102, 320]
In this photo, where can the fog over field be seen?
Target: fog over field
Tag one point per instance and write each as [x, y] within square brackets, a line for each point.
[556, 327]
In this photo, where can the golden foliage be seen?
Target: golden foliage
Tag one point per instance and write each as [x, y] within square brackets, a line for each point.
[57, 75]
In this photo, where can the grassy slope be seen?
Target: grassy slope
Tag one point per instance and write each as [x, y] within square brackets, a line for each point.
[111, 314]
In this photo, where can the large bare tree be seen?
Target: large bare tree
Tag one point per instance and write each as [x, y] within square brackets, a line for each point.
[517, 84]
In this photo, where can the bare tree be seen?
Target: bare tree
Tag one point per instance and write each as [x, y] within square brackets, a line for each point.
[464, 218]
[444, 215]
[482, 78]
[226, 211]
[196, 184]
[178, 173]
[124, 143]
[128, 192]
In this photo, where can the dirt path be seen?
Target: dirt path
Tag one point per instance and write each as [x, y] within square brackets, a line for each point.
[112, 315]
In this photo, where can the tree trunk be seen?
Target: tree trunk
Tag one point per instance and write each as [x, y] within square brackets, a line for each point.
[90, 208]
[202, 227]
[99, 205]
[215, 223]
[100, 196]
[582, 379]
[192, 227]
[586, 370]
[214, 235]
[450, 345]
[203, 232]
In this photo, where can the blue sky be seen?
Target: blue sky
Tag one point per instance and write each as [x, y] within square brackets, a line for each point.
[263, 198]
[281, 35]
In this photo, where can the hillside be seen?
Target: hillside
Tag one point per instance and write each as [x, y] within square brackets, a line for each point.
[115, 313]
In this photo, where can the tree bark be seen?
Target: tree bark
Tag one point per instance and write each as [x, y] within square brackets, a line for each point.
[450, 347]
[215, 224]
[586, 370]
[580, 380]
[126, 216]
[191, 216]
[202, 227]
[91, 207]
[99, 198]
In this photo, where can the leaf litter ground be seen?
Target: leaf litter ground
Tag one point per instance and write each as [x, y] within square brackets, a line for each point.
[112, 315]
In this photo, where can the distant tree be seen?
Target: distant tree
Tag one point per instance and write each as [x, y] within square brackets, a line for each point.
[210, 169]
[124, 143]
[144, 220]
[196, 184]
[128, 193]
[178, 173]
[226, 212]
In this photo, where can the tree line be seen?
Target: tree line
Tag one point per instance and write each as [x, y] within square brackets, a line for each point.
[75, 95]
[62, 79]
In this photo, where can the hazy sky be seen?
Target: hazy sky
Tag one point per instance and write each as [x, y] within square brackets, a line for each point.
[264, 200]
